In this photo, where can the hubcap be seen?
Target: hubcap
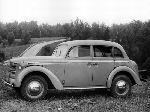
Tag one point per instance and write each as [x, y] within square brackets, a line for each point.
[34, 89]
[122, 87]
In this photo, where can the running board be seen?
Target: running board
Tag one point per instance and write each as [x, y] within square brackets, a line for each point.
[83, 88]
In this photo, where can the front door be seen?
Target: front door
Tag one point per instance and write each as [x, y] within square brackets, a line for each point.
[103, 64]
[78, 72]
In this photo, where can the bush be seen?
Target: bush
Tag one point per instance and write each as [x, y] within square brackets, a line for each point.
[146, 64]
[2, 56]
[0, 39]
[10, 38]
[25, 37]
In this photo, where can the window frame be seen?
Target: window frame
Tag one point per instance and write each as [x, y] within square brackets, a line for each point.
[120, 51]
[67, 54]
[112, 56]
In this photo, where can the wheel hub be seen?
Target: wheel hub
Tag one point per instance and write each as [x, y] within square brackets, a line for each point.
[34, 88]
[122, 87]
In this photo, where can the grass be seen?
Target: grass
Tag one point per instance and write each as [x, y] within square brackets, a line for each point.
[76, 101]
[14, 51]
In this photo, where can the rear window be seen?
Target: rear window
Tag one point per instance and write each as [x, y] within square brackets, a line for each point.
[48, 49]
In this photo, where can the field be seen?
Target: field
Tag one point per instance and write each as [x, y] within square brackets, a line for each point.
[17, 50]
[76, 101]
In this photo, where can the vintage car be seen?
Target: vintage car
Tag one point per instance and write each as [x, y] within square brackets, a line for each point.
[78, 64]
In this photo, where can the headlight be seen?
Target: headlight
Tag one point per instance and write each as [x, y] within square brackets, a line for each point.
[19, 67]
[6, 63]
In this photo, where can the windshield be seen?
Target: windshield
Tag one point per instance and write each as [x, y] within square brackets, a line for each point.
[60, 50]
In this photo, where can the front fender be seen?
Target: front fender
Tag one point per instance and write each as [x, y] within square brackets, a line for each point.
[55, 81]
[126, 69]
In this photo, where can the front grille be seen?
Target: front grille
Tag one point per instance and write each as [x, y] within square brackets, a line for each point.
[12, 67]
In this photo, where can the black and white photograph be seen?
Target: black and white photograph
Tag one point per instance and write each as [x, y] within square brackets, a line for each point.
[74, 55]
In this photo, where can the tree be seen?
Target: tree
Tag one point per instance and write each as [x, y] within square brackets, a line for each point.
[10, 37]
[2, 56]
[80, 30]
[25, 37]
[106, 34]
[0, 39]
[98, 31]
[67, 30]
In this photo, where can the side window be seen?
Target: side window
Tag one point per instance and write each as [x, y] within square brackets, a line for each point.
[102, 51]
[117, 53]
[73, 53]
[79, 51]
[84, 51]
[45, 51]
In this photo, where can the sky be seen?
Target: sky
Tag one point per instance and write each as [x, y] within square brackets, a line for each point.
[64, 11]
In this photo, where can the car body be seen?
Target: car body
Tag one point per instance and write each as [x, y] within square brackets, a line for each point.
[78, 64]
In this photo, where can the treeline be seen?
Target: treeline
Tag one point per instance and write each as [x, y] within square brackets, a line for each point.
[134, 36]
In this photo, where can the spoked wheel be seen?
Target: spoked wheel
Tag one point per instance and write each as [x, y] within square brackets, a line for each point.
[121, 86]
[34, 88]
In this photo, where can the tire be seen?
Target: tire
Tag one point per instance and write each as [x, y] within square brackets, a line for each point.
[121, 86]
[34, 88]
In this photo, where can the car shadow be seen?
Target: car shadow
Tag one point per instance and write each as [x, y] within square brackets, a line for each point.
[76, 94]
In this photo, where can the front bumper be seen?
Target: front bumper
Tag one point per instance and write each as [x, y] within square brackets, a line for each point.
[7, 83]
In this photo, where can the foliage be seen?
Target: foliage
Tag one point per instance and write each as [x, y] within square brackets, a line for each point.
[0, 39]
[2, 56]
[10, 37]
[133, 36]
[25, 37]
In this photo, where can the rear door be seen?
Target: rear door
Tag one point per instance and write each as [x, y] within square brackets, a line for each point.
[103, 64]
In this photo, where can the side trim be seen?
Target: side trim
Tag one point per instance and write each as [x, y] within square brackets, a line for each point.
[83, 88]
[126, 69]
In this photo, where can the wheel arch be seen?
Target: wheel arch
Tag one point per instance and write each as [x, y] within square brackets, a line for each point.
[39, 73]
[51, 79]
[126, 74]
[126, 71]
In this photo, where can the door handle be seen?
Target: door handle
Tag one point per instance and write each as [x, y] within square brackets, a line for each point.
[89, 64]
[95, 64]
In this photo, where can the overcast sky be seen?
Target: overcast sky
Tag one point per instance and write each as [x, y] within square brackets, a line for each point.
[62, 11]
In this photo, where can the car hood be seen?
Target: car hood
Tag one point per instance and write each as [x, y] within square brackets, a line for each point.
[36, 59]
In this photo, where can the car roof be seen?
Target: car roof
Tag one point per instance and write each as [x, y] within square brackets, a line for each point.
[50, 42]
[94, 42]
[91, 42]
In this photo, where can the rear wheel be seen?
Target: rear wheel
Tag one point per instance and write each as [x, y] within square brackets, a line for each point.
[121, 86]
[33, 88]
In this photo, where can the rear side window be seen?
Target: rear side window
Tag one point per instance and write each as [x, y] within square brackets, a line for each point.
[117, 53]
[102, 51]
[45, 51]
[79, 51]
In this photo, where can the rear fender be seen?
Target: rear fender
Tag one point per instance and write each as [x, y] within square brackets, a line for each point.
[120, 69]
[55, 81]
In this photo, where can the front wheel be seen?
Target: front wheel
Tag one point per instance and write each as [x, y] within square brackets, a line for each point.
[33, 88]
[121, 86]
